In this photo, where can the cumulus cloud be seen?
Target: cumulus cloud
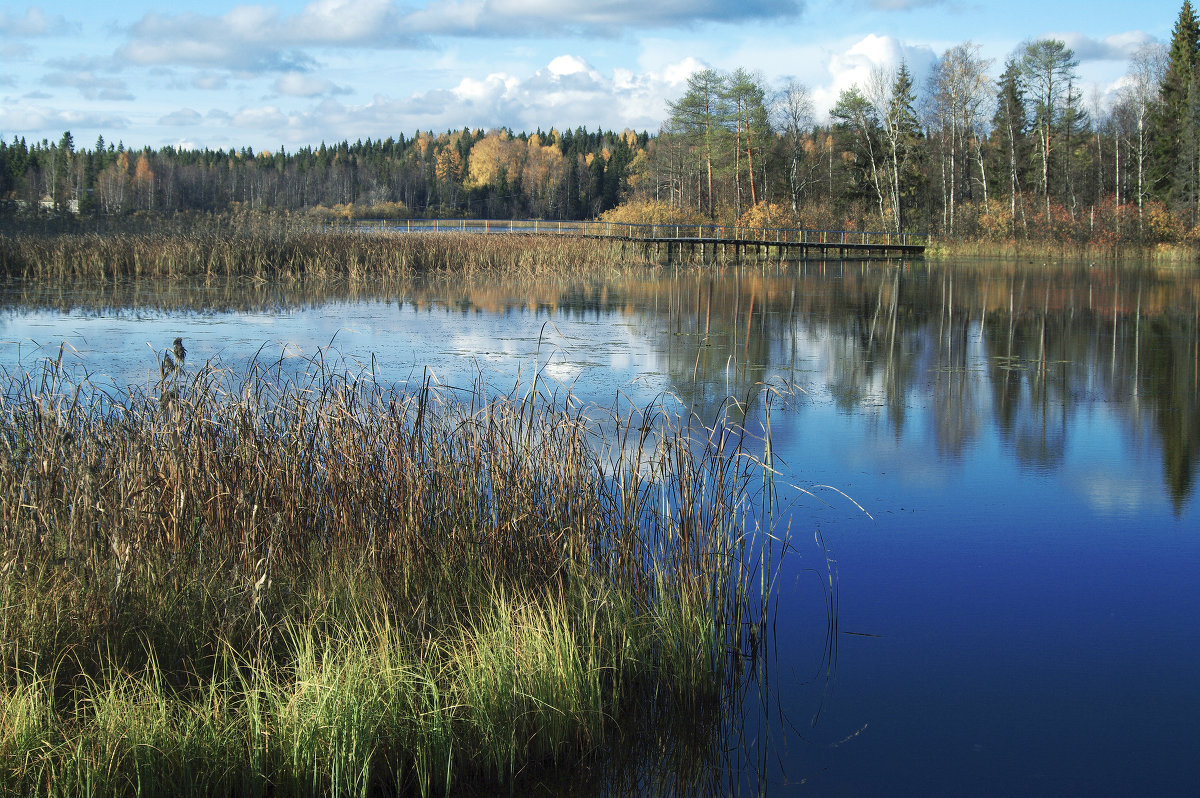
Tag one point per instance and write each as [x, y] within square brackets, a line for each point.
[853, 65]
[210, 82]
[261, 38]
[567, 91]
[35, 117]
[83, 63]
[1118, 47]
[265, 118]
[34, 22]
[184, 117]
[219, 51]
[299, 84]
[91, 85]
[603, 18]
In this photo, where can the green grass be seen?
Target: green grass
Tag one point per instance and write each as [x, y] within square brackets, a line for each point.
[273, 585]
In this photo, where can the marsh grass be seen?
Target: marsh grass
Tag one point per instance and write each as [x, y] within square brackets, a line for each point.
[282, 584]
[297, 252]
[1181, 254]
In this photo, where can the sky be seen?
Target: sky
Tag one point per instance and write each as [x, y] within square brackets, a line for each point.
[221, 74]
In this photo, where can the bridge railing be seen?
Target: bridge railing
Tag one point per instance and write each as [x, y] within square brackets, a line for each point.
[659, 232]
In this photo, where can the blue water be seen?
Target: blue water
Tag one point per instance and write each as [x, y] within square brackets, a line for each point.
[1016, 562]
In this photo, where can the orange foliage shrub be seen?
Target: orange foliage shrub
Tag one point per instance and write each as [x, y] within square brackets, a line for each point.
[769, 214]
[652, 212]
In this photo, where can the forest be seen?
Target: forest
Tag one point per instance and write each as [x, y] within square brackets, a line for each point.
[977, 151]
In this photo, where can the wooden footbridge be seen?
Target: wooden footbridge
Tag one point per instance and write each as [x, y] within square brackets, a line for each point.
[676, 242]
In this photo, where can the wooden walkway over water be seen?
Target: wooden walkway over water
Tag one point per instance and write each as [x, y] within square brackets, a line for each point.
[677, 242]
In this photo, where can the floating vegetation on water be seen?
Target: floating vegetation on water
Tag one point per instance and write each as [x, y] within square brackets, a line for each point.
[272, 585]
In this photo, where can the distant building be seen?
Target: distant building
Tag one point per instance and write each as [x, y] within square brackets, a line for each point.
[71, 206]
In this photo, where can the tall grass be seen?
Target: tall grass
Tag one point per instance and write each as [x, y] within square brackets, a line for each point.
[1061, 250]
[294, 253]
[295, 585]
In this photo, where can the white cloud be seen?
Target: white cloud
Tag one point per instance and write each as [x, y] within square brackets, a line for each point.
[568, 91]
[300, 84]
[677, 74]
[587, 17]
[34, 117]
[90, 85]
[567, 65]
[343, 21]
[184, 117]
[1117, 47]
[266, 118]
[210, 82]
[853, 66]
[34, 22]
[262, 38]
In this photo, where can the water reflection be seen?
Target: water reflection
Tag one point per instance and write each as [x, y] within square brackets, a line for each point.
[1025, 437]
[1026, 348]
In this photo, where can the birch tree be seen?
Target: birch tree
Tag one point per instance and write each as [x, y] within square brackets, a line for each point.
[857, 120]
[961, 87]
[794, 118]
[1146, 70]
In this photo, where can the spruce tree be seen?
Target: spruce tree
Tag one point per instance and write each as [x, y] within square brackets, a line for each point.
[903, 134]
[1172, 149]
[1011, 128]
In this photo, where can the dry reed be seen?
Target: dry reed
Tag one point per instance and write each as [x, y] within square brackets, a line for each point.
[295, 253]
[312, 584]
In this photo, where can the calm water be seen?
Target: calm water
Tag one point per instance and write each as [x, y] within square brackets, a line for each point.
[1018, 600]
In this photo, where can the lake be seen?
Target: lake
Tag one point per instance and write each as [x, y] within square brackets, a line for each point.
[996, 459]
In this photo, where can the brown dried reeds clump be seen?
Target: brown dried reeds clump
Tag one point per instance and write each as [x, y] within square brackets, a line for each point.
[484, 584]
[296, 252]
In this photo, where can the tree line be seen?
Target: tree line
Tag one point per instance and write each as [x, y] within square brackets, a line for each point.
[568, 175]
[1021, 154]
[966, 153]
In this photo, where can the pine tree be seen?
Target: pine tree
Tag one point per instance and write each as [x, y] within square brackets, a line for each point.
[1048, 70]
[700, 116]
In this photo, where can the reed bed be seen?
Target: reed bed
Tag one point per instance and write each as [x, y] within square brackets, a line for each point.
[1063, 250]
[292, 253]
[307, 583]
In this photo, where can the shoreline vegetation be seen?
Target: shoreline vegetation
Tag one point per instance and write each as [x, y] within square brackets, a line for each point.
[263, 246]
[269, 249]
[1063, 251]
[308, 584]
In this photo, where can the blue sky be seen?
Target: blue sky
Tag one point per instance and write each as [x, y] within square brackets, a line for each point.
[221, 74]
